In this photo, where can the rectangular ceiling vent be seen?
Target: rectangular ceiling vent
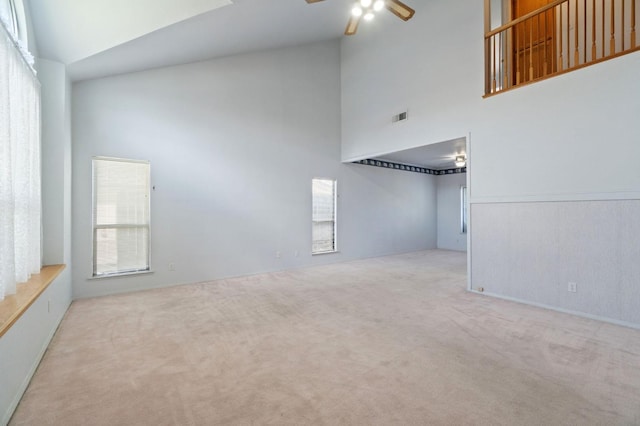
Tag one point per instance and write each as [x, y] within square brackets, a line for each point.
[400, 117]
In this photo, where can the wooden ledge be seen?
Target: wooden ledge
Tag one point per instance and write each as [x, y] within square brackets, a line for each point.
[13, 306]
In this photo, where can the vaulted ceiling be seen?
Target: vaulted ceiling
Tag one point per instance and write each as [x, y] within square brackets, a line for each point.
[95, 38]
[98, 38]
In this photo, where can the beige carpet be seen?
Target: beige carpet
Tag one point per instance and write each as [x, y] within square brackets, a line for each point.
[387, 341]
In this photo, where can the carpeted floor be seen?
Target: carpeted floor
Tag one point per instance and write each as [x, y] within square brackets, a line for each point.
[388, 341]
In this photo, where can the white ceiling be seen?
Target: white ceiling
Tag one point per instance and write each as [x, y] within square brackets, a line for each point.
[70, 30]
[435, 156]
[96, 38]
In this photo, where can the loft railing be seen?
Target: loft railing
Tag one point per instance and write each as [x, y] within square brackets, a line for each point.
[558, 37]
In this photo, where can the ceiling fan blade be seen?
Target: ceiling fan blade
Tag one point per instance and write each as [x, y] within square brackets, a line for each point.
[400, 9]
[314, 1]
[352, 25]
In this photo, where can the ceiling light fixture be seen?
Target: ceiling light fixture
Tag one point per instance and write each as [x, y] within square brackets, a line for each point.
[367, 8]
[461, 160]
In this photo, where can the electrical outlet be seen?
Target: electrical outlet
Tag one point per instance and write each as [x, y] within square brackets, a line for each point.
[172, 266]
[278, 255]
[296, 253]
[572, 287]
[49, 306]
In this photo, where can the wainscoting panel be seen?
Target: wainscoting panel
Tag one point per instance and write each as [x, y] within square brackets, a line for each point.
[532, 251]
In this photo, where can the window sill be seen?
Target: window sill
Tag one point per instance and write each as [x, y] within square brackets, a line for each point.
[123, 275]
[325, 252]
[13, 306]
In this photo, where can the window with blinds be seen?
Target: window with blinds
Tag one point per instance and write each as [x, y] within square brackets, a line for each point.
[463, 209]
[121, 193]
[323, 216]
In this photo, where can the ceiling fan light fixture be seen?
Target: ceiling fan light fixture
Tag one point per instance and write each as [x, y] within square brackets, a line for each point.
[461, 160]
[367, 9]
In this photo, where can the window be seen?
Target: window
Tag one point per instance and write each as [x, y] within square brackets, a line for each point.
[13, 16]
[20, 200]
[463, 209]
[324, 216]
[120, 216]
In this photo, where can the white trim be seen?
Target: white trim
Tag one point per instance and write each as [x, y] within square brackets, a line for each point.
[94, 227]
[121, 160]
[320, 253]
[564, 311]
[335, 216]
[551, 198]
[120, 275]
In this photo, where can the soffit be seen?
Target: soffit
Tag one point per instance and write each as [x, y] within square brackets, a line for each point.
[435, 156]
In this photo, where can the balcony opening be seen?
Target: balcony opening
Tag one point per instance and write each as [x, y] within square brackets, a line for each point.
[530, 40]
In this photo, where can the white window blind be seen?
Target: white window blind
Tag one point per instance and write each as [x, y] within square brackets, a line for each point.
[324, 216]
[121, 192]
[20, 205]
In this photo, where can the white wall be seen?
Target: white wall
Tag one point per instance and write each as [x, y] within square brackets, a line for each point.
[233, 145]
[591, 243]
[450, 236]
[22, 347]
[430, 65]
[56, 161]
[587, 131]
[566, 138]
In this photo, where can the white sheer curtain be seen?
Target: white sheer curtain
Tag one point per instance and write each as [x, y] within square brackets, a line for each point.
[20, 204]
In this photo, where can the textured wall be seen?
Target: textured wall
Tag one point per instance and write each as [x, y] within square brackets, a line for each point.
[531, 251]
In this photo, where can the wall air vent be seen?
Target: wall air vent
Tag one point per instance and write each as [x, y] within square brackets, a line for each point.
[400, 117]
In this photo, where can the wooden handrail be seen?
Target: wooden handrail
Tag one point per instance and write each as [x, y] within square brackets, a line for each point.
[524, 18]
[561, 36]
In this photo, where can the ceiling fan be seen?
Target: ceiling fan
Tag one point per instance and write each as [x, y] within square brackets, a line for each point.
[366, 9]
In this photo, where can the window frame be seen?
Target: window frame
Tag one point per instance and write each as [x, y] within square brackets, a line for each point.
[464, 210]
[95, 227]
[335, 217]
[17, 20]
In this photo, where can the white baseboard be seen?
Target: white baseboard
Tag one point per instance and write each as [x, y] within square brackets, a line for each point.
[564, 311]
